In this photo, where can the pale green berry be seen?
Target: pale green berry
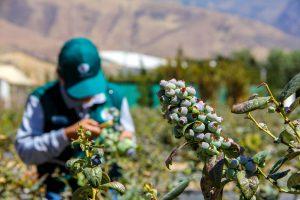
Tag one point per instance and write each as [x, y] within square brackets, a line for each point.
[171, 86]
[207, 137]
[173, 80]
[185, 103]
[200, 106]
[212, 150]
[213, 126]
[218, 132]
[180, 84]
[225, 144]
[208, 109]
[174, 117]
[183, 111]
[199, 137]
[191, 91]
[88, 133]
[198, 127]
[216, 143]
[182, 94]
[163, 84]
[193, 100]
[174, 101]
[175, 110]
[194, 110]
[214, 117]
[202, 118]
[182, 120]
[271, 109]
[170, 93]
[177, 91]
[189, 135]
[204, 145]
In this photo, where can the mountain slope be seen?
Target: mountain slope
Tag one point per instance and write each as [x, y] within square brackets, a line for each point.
[289, 20]
[282, 14]
[40, 27]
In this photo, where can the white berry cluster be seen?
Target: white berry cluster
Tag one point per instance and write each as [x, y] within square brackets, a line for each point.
[191, 117]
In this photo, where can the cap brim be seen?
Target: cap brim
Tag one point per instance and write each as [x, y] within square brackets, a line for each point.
[89, 87]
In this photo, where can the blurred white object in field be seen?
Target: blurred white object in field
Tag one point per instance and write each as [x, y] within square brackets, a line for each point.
[132, 60]
[287, 102]
[11, 76]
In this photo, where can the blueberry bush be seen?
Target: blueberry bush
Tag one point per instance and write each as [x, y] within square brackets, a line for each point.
[89, 169]
[225, 160]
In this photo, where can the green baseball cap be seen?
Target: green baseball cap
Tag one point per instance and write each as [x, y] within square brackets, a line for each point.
[79, 65]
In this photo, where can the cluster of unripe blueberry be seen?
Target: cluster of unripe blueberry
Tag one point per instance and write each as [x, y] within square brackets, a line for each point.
[110, 136]
[191, 117]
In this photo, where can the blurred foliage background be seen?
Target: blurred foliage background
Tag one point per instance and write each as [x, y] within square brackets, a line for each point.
[235, 74]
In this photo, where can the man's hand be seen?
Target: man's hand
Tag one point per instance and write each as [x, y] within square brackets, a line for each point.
[126, 134]
[87, 124]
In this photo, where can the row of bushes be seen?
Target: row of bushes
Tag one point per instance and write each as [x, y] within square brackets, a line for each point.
[235, 73]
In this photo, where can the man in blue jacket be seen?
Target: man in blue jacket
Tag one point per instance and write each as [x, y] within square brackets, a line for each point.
[54, 111]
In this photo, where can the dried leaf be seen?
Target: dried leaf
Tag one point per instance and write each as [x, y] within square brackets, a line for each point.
[248, 185]
[250, 105]
[169, 159]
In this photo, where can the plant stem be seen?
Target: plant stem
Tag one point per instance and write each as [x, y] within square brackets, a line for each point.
[266, 130]
[281, 111]
[260, 127]
[94, 193]
[276, 185]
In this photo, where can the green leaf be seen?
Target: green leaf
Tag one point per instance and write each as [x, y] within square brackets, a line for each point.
[83, 193]
[119, 187]
[250, 105]
[175, 192]
[186, 126]
[248, 185]
[279, 175]
[294, 181]
[277, 165]
[75, 165]
[286, 135]
[290, 88]
[93, 175]
[105, 178]
[260, 157]
[282, 160]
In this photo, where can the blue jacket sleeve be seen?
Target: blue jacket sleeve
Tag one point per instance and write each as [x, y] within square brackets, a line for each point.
[32, 144]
